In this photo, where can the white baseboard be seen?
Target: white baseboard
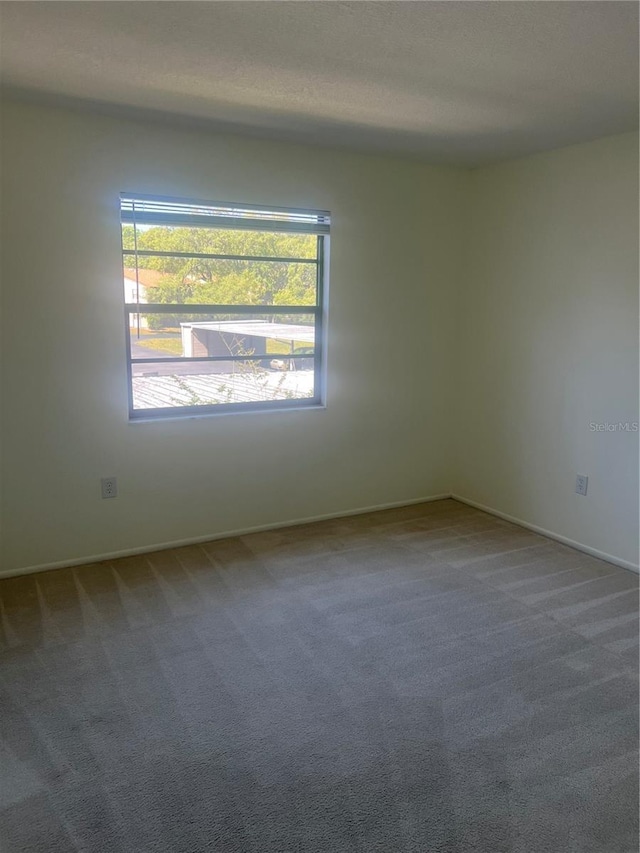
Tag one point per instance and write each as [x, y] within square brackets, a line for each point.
[210, 537]
[550, 534]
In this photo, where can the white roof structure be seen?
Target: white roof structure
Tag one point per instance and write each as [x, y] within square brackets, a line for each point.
[151, 392]
[259, 329]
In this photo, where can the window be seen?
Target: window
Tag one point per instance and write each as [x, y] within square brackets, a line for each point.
[224, 306]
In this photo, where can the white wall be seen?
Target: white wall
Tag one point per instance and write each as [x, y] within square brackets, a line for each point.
[480, 381]
[384, 436]
[548, 343]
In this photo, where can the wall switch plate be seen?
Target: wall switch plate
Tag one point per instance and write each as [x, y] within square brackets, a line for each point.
[582, 481]
[109, 487]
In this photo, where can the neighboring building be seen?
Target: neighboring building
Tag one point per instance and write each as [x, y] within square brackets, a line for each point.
[137, 290]
[240, 337]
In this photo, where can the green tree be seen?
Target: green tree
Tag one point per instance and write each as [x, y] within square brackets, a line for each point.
[233, 281]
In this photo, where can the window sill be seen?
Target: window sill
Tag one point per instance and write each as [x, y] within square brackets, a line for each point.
[266, 410]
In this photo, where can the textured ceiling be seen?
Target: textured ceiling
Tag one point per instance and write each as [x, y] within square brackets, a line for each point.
[459, 82]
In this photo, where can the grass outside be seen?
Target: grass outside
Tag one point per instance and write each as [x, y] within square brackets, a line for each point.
[282, 347]
[173, 346]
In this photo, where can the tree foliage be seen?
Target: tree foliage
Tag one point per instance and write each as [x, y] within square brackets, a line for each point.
[206, 280]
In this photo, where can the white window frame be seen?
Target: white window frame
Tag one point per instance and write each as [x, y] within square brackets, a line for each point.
[137, 209]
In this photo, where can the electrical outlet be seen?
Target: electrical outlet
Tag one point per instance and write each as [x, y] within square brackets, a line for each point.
[582, 481]
[109, 487]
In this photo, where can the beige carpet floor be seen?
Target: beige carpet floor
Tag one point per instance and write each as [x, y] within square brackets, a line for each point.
[428, 679]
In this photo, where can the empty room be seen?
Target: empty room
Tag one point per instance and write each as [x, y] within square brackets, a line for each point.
[319, 427]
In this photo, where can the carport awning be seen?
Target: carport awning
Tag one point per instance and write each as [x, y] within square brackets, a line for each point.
[259, 329]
